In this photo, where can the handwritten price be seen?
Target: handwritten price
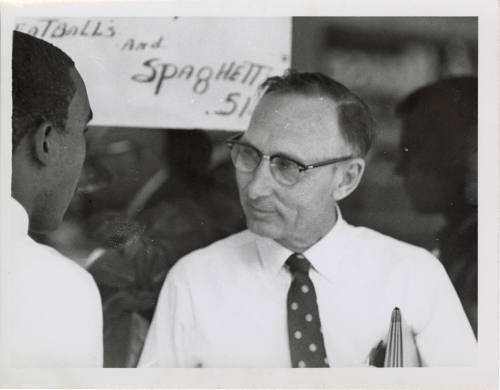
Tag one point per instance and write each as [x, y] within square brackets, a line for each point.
[235, 104]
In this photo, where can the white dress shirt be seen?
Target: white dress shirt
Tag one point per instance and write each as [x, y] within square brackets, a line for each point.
[225, 305]
[55, 306]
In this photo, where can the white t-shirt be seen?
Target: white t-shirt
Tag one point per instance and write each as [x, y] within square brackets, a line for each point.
[225, 305]
[55, 306]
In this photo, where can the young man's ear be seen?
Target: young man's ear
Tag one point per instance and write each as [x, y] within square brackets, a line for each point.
[351, 174]
[43, 142]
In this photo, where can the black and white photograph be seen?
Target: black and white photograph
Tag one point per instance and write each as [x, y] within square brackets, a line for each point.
[249, 195]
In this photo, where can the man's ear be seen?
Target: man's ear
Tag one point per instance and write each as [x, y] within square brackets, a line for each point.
[43, 142]
[351, 174]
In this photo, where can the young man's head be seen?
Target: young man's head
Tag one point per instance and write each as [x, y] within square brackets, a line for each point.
[50, 116]
[439, 145]
[303, 152]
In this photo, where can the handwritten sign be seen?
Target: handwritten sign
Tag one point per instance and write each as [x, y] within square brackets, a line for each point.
[188, 72]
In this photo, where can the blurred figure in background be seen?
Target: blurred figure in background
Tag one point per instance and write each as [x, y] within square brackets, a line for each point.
[439, 167]
[149, 200]
[56, 317]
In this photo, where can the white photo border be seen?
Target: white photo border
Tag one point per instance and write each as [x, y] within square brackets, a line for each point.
[485, 375]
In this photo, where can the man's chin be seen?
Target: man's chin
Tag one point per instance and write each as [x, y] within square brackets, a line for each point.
[44, 224]
[35, 228]
[263, 229]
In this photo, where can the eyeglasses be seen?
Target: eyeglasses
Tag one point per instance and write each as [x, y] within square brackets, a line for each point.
[285, 170]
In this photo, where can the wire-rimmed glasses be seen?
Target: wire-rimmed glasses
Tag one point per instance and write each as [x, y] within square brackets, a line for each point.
[246, 158]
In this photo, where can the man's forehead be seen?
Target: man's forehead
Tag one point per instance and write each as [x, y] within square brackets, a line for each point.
[294, 120]
[292, 108]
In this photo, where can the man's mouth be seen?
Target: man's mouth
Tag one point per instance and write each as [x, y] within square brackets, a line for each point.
[261, 209]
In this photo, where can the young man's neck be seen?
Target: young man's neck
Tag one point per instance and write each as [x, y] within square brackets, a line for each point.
[22, 188]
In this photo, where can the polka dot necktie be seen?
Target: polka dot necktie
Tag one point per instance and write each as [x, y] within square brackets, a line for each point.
[304, 327]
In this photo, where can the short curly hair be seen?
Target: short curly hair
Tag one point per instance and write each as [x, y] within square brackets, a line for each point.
[354, 117]
[42, 87]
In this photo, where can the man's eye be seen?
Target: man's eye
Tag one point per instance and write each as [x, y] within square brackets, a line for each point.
[247, 152]
[284, 164]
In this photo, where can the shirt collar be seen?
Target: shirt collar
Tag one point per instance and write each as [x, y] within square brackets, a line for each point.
[271, 255]
[19, 220]
[324, 256]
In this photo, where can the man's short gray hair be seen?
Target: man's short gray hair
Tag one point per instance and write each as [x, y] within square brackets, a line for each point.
[354, 117]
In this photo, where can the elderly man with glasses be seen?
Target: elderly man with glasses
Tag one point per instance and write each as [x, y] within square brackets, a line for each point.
[301, 287]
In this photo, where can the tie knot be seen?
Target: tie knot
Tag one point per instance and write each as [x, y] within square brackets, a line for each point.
[298, 263]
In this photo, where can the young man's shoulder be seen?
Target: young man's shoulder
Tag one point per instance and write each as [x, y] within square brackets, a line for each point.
[46, 266]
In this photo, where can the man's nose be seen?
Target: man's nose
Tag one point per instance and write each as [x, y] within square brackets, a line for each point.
[261, 184]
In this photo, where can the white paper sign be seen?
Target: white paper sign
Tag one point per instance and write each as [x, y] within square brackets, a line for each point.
[186, 72]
